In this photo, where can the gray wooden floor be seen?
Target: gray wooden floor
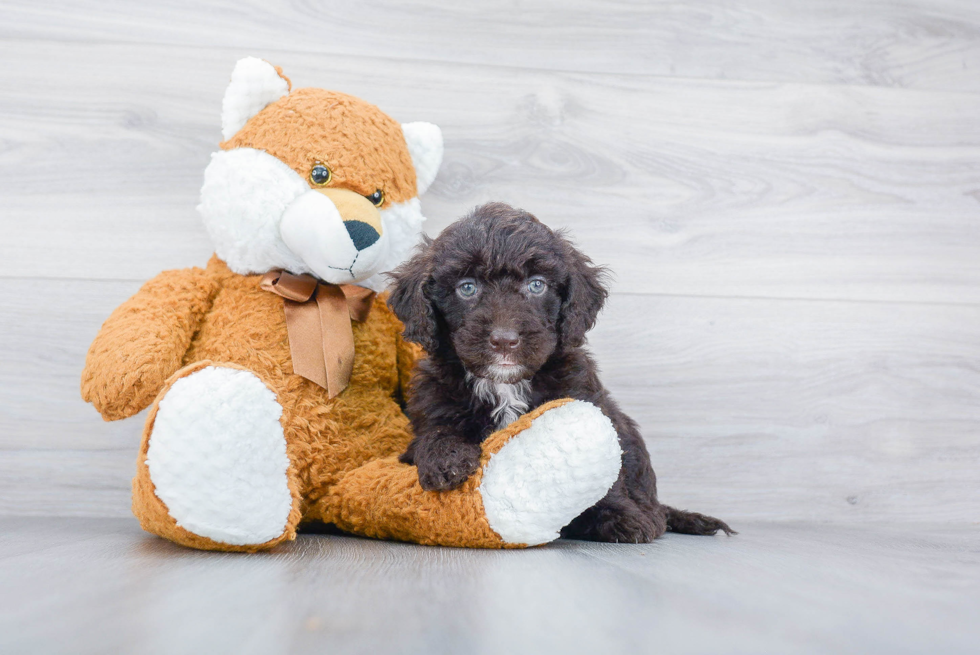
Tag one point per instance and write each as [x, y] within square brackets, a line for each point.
[788, 193]
[102, 586]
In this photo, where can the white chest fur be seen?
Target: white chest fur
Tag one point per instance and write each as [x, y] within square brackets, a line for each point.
[509, 401]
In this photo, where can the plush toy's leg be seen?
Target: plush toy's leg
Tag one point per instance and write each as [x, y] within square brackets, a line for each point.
[213, 472]
[536, 475]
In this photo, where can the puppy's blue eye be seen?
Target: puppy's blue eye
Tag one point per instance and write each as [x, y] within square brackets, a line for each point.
[536, 286]
[466, 288]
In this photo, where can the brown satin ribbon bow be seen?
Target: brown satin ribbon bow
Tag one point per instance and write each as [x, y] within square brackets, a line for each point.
[318, 321]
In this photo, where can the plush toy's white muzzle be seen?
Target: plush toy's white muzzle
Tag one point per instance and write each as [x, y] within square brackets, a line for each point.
[261, 215]
[338, 249]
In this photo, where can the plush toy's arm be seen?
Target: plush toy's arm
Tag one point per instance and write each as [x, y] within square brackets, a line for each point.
[408, 353]
[143, 342]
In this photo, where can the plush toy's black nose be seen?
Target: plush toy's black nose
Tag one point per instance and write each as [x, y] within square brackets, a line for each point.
[362, 234]
[504, 340]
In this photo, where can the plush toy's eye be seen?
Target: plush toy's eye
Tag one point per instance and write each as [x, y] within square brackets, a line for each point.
[376, 198]
[467, 288]
[536, 286]
[320, 175]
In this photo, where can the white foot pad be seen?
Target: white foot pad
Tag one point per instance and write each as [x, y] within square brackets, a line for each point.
[546, 476]
[217, 457]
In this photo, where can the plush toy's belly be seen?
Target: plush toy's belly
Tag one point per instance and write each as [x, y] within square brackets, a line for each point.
[247, 327]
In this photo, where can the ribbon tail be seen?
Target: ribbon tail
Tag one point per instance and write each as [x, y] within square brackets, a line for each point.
[321, 339]
[359, 301]
[337, 338]
[303, 328]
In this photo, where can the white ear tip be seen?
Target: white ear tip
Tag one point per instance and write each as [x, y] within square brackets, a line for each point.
[424, 142]
[254, 84]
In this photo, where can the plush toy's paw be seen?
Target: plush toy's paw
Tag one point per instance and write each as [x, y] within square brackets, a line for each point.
[446, 463]
[217, 457]
[546, 475]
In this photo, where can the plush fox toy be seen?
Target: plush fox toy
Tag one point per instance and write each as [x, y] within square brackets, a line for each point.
[274, 375]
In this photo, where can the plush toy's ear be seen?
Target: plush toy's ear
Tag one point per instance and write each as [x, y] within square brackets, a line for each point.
[425, 145]
[254, 84]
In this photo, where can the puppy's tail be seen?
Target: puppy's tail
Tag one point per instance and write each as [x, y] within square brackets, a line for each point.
[693, 523]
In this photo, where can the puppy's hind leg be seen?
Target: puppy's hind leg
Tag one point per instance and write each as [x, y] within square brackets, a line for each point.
[617, 519]
[693, 523]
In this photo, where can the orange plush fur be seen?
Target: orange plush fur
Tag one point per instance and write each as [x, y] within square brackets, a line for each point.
[362, 146]
[342, 452]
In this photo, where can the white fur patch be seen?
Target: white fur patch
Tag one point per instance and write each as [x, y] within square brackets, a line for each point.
[424, 141]
[243, 198]
[217, 457]
[547, 475]
[509, 401]
[401, 225]
[254, 84]
[313, 230]
[247, 194]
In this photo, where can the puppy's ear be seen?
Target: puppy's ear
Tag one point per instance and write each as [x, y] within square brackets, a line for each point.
[408, 299]
[584, 296]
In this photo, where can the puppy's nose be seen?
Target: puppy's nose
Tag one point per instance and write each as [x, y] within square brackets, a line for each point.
[504, 340]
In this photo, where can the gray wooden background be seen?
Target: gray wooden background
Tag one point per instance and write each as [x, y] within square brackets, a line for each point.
[788, 192]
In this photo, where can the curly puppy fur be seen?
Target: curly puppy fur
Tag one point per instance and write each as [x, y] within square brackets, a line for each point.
[502, 303]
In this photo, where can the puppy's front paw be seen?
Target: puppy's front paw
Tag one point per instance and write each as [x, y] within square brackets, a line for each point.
[447, 464]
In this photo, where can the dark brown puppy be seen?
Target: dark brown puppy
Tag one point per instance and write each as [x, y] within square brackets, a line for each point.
[501, 303]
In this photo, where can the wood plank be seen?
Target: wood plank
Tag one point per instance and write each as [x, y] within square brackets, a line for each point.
[802, 409]
[751, 408]
[48, 326]
[926, 44]
[773, 589]
[682, 187]
[70, 482]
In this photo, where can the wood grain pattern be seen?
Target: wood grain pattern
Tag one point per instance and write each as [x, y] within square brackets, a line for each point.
[100, 585]
[802, 409]
[683, 187]
[925, 44]
[751, 408]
